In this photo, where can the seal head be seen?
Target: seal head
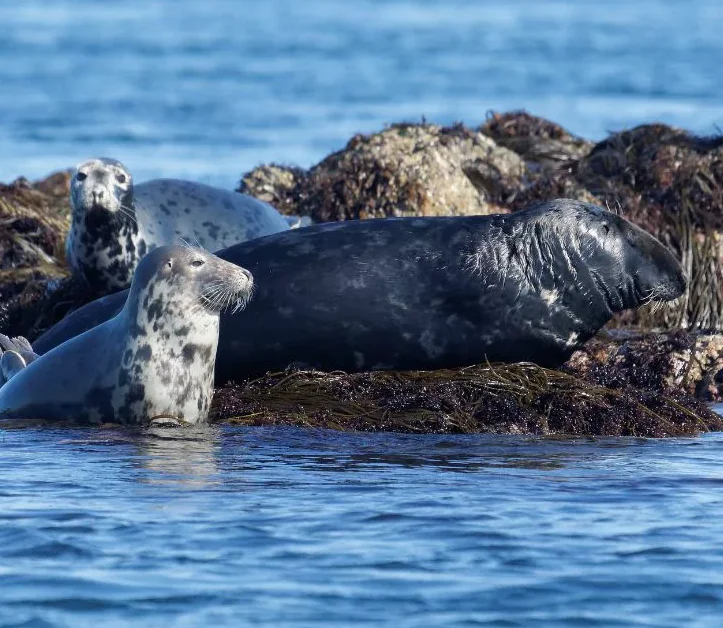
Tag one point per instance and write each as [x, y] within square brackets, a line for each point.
[580, 249]
[104, 241]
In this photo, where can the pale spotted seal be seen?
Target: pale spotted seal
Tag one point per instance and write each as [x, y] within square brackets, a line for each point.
[425, 293]
[153, 360]
[115, 223]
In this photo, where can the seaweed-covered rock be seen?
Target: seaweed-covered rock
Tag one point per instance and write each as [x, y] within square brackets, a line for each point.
[34, 219]
[509, 399]
[662, 178]
[677, 360]
[541, 143]
[405, 170]
[276, 185]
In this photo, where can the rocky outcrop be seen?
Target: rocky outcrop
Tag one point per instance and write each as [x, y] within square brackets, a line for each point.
[405, 170]
[34, 218]
[677, 360]
[621, 383]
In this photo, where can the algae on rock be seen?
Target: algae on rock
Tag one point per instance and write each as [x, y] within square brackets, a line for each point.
[500, 398]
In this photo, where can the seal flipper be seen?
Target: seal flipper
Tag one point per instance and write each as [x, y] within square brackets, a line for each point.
[11, 363]
[296, 222]
[19, 345]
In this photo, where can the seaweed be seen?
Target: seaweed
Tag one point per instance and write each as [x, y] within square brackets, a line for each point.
[498, 398]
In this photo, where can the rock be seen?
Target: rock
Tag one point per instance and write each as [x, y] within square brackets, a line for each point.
[621, 383]
[405, 170]
[36, 290]
[541, 143]
[274, 184]
[663, 362]
[662, 178]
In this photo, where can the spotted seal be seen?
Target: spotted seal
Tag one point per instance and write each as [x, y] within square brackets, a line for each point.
[115, 223]
[153, 360]
[425, 293]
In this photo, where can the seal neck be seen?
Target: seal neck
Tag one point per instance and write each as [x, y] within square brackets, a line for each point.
[547, 270]
[105, 248]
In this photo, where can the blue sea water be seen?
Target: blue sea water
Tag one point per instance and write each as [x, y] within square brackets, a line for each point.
[291, 527]
[209, 89]
[284, 527]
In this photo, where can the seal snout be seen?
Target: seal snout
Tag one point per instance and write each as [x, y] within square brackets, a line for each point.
[240, 285]
[98, 196]
[659, 275]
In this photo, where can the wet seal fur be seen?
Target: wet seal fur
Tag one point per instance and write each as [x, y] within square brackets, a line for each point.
[114, 223]
[428, 293]
[153, 360]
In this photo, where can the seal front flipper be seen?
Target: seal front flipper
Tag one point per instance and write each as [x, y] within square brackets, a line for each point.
[19, 345]
[11, 363]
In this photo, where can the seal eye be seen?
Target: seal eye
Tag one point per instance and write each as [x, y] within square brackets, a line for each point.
[121, 178]
[81, 176]
[605, 229]
[197, 263]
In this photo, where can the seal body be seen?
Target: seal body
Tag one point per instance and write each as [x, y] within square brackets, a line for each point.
[114, 223]
[153, 360]
[426, 293]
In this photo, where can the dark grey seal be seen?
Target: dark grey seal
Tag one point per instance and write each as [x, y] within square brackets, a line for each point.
[153, 360]
[426, 293]
[115, 223]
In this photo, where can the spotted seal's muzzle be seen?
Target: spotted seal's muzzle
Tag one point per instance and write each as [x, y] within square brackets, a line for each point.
[232, 288]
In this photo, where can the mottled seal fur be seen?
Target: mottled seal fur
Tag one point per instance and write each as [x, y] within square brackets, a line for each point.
[114, 223]
[426, 293]
[153, 360]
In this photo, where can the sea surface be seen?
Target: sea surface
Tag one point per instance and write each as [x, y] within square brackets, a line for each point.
[290, 527]
[209, 89]
[285, 527]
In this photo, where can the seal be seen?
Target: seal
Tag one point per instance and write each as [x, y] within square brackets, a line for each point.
[114, 223]
[428, 293]
[153, 361]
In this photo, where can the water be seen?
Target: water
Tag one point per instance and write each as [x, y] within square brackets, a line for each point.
[208, 90]
[222, 527]
[287, 527]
